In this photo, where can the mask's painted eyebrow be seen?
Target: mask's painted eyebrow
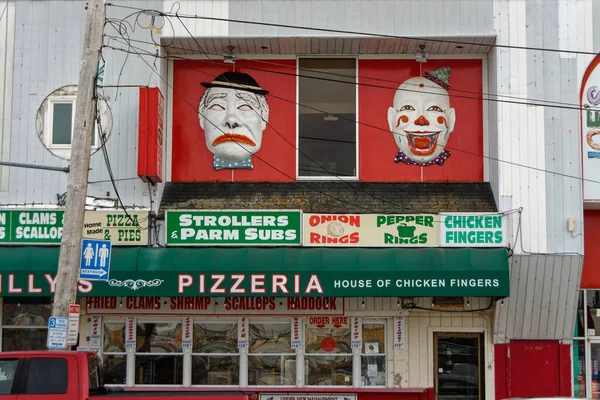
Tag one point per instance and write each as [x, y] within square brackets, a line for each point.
[215, 96]
[249, 98]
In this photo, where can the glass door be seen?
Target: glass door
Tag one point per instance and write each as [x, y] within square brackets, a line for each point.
[594, 370]
[458, 363]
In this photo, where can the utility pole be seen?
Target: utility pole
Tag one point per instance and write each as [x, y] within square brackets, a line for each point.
[85, 112]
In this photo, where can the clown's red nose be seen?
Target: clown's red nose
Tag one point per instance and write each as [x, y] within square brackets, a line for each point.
[422, 121]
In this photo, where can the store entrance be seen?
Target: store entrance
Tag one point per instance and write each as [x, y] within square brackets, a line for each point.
[458, 366]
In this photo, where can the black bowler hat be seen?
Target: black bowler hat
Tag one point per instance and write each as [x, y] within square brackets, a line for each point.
[236, 80]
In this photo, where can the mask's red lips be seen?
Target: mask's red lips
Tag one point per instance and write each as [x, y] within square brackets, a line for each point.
[422, 143]
[233, 137]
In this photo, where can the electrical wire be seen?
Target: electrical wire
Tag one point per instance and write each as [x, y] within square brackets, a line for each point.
[352, 186]
[515, 164]
[133, 221]
[345, 32]
[296, 148]
[292, 144]
[478, 96]
[413, 306]
[139, 55]
[257, 157]
[4, 10]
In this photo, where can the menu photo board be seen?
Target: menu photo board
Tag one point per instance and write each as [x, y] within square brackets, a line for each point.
[472, 230]
[46, 226]
[371, 230]
[233, 227]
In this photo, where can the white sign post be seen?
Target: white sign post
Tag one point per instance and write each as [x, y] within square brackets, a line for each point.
[73, 332]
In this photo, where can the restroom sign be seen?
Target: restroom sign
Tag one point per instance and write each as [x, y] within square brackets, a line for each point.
[95, 259]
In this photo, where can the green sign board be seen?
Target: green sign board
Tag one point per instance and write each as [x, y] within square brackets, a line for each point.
[269, 271]
[284, 284]
[46, 226]
[247, 228]
[472, 230]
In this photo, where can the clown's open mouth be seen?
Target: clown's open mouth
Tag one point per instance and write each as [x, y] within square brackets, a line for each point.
[233, 137]
[422, 142]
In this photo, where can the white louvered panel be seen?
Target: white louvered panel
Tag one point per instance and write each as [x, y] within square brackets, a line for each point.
[330, 45]
[347, 47]
[435, 47]
[324, 46]
[339, 45]
[542, 302]
[220, 46]
[286, 46]
[316, 46]
[274, 46]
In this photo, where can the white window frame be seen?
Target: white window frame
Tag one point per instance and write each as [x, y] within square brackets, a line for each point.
[356, 176]
[243, 354]
[384, 354]
[49, 132]
[124, 353]
[24, 327]
[193, 354]
[131, 361]
[292, 352]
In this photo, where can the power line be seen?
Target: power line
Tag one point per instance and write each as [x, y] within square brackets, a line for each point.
[329, 30]
[498, 98]
[258, 157]
[290, 143]
[259, 116]
[4, 10]
[382, 129]
[114, 180]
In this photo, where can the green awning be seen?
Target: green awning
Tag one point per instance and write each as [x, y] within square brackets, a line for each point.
[280, 271]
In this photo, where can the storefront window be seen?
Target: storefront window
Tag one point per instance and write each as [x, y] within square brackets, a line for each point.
[159, 356]
[579, 317]
[328, 354]
[579, 368]
[114, 359]
[373, 355]
[25, 322]
[593, 312]
[279, 366]
[215, 359]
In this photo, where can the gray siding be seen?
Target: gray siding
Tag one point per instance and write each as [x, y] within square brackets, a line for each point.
[553, 77]
[7, 38]
[543, 298]
[47, 56]
[411, 18]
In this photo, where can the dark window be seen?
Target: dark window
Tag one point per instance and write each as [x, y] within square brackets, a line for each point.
[95, 374]
[8, 369]
[62, 123]
[327, 117]
[47, 376]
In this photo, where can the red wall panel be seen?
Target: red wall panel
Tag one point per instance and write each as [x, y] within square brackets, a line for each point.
[501, 380]
[590, 278]
[274, 162]
[532, 368]
[381, 78]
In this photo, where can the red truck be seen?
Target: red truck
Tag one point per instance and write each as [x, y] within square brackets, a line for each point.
[71, 375]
